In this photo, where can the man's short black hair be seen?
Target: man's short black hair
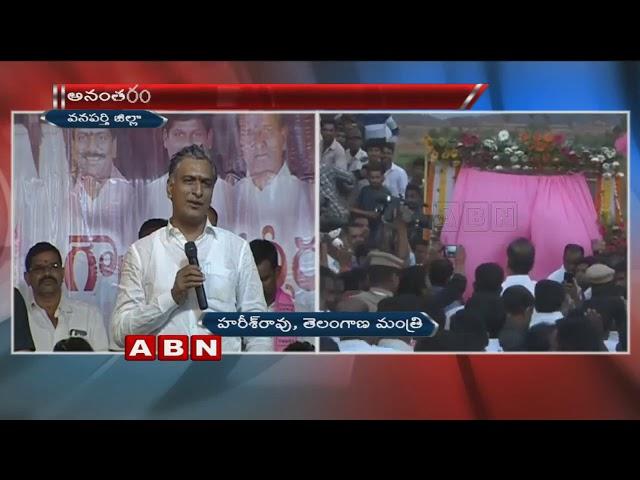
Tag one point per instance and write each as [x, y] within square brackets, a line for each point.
[375, 166]
[414, 187]
[440, 272]
[353, 278]
[300, 347]
[573, 248]
[549, 296]
[380, 274]
[73, 344]
[516, 299]
[264, 250]
[577, 334]
[185, 117]
[328, 121]
[621, 266]
[469, 331]
[413, 280]
[374, 142]
[196, 152]
[37, 249]
[401, 303]
[151, 225]
[488, 278]
[521, 255]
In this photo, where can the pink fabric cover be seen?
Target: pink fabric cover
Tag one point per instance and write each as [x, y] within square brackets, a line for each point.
[488, 210]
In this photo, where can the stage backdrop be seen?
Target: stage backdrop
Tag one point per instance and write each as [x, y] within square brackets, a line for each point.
[89, 191]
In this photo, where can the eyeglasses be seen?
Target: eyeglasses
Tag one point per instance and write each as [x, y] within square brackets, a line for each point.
[55, 267]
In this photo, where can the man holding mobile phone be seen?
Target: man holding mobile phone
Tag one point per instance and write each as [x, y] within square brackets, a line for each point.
[573, 255]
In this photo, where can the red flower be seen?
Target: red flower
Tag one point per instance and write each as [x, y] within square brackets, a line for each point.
[469, 140]
[558, 139]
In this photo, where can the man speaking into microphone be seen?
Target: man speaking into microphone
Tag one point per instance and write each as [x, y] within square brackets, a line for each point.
[163, 284]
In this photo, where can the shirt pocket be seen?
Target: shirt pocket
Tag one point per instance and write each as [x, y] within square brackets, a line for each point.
[220, 285]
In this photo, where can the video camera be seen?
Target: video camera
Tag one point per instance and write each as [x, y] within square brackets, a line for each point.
[390, 208]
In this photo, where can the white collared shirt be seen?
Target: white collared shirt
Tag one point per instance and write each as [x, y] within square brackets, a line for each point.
[523, 280]
[612, 341]
[145, 306]
[396, 180]
[558, 275]
[493, 346]
[549, 317]
[85, 319]
[355, 162]
[334, 156]
[282, 212]
[395, 344]
[360, 346]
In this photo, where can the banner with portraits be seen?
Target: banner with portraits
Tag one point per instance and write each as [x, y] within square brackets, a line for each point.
[88, 191]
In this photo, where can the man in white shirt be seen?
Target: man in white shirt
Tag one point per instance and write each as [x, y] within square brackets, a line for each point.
[103, 220]
[395, 177]
[521, 255]
[52, 316]
[550, 301]
[273, 204]
[356, 156]
[157, 288]
[572, 256]
[331, 152]
[363, 345]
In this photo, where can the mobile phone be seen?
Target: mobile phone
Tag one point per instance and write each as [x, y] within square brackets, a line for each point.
[451, 250]
[568, 277]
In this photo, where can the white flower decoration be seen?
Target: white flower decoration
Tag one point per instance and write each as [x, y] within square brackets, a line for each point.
[606, 166]
[595, 160]
[525, 158]
[606, 175]
[516, 166]
[498, 167]
[600, 158]
[615, 164]
[520, 153]
[503, 136]
[508, 151]
[496, 157]
[514, 159]
[610, 154]
[620, 174]
[556, 159]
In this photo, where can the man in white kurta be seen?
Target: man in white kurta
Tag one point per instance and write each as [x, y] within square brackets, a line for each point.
[273, 204]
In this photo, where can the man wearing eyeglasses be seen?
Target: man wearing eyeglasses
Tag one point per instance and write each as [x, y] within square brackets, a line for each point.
[53, 316]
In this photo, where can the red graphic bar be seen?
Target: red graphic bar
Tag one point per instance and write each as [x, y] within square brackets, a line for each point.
[268, 96]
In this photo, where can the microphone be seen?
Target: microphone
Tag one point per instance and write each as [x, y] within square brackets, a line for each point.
[191, 251]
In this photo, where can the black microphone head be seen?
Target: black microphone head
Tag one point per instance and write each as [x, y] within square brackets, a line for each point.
[191, 250]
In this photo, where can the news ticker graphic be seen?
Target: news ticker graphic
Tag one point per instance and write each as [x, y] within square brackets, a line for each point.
[104, 119]
[320, 324]
[155, 96]
[199, 348]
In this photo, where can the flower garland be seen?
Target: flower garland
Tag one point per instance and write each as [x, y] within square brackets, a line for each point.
[526, 152]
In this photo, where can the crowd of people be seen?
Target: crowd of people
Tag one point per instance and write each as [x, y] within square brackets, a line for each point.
[374, 257]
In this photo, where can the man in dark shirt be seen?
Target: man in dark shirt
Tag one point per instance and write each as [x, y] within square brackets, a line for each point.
[373, 197]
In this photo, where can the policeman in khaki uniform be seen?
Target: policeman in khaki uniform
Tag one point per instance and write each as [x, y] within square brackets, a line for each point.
[384, 278]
